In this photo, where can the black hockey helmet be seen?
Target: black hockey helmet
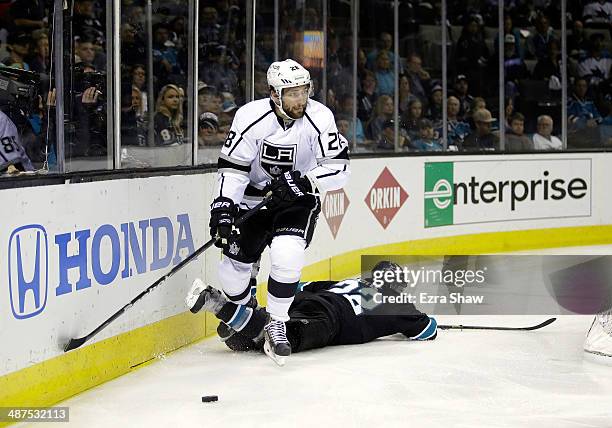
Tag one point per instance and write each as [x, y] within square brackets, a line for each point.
[386, 265]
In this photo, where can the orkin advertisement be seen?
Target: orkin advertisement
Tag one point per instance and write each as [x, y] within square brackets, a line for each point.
[385, 198]
[483, 191]
[335, 205]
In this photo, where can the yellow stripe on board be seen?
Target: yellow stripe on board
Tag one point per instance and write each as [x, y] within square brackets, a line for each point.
[54, 380]
[348, 264]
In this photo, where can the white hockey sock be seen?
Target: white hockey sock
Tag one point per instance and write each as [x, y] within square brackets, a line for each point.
[234, 277]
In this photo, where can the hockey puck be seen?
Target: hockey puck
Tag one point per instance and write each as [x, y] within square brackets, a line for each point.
[210, 398]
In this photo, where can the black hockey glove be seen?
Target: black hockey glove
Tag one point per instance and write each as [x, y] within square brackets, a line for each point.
[222, 214]
[287, 188]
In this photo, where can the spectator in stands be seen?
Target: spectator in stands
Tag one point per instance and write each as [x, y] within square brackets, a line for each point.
[509, 29]
[543, 138]
[345, 108]
[577, 43]
[177, 32]
[18, 47]
[133, 131]
[411, 119]
[405, 94]
[135, 15]
[383, 111]
[218, 71]
[339, 77]
[482, 138]
[366, 98]
[139, 81]
[516, 140]
[426, 141]
[583, 117]
[419, 78]
[550, 66]
[133, 49]
[85, 51]
[461, 92]
[514, 67]
[361, 65]
[471, 53]
[29, 15]
[605, 128]
[537, 43]
[477, 104]
[169, 116]
[598, 11]
[384, 44]
[165, 55]
[331, 101]
[40, 61]
[434, 110]
[581, 110]
[596, 66]
[386, 140]
[344, 124]
[209, 99]
[85, 21]
[457, 129]
[208, 130]
[385, 77]
[210, 31]
[262, 90]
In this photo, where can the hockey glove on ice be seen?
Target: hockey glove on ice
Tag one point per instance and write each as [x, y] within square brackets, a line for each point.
[222, 214]
[287, 188]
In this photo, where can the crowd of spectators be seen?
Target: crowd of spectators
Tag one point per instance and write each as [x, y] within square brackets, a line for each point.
[532, 74]
[154, 103]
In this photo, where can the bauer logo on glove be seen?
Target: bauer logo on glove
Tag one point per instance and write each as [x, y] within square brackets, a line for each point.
[287, 188]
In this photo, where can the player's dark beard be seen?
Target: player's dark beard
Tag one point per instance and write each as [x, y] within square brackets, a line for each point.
[294, 115]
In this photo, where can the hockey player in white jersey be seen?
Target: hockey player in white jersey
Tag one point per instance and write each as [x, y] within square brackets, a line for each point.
[12, 153]
[287, 146]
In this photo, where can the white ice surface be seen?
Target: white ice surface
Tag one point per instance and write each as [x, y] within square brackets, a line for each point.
[463, 379]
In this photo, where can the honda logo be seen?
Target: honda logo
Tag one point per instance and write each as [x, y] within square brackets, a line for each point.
[28, 270]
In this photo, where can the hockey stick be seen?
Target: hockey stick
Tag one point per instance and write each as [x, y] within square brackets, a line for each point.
[480, 327]
[76, 342]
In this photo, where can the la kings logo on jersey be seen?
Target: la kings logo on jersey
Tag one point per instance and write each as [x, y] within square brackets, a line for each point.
[277, 159]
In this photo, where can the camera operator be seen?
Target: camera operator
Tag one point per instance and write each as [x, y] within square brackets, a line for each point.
[90, 111]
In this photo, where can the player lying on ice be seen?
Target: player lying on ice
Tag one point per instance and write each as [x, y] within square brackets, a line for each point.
[323, 313]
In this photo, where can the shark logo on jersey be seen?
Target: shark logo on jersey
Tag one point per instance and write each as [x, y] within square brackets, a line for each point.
[277, 159]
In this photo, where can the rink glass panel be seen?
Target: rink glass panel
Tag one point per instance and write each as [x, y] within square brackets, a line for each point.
[221, 83]
[88, 145]
[155, 85]
[155, 49]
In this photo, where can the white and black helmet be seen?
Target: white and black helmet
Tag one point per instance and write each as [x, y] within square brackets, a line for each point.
[287, 74]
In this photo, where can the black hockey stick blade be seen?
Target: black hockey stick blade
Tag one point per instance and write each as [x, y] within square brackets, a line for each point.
[79, 341]
[482, 327]
[76, 342]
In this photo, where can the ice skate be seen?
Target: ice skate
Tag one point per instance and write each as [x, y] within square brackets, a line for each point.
[205, 297]
[276, 345]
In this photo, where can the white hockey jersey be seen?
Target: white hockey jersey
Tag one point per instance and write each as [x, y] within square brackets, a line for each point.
[11, 151]
[259, 148]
